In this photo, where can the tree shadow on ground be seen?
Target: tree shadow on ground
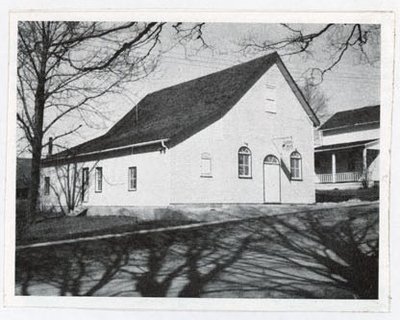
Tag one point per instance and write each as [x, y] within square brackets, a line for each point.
[151, 262]
[311, 256]
[299, 256]
[76, 270]
[185, 260]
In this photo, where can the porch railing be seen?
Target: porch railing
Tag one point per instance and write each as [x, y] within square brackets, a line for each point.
[339, 177]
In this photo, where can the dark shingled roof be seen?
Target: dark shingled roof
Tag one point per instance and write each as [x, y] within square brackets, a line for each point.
[177, 112]
[353, 117]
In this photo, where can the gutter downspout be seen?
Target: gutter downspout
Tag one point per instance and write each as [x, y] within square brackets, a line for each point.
[165, 148]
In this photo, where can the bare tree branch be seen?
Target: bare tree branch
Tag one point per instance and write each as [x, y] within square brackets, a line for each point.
[63, 135]
[64, 66]
[126, 46]
[335, 38]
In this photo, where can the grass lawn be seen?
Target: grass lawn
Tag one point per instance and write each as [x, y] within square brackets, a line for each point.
[61, 228]
[75, 227]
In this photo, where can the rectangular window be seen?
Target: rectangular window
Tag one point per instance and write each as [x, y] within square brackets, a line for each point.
[270, 100]
[47, 185]
[244, 166]
[85, 184]
[132, 178]
[295, 168]
[206, 165]
[99, 179]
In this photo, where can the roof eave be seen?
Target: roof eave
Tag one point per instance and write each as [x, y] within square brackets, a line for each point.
[355, 144]
[349, 125]
[99, 152]
[296, 90]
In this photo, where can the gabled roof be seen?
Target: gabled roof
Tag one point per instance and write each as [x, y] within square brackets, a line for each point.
[177, 112]
[353, 117]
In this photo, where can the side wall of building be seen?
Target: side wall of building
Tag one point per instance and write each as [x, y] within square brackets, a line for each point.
[153, 176]
[264, 128]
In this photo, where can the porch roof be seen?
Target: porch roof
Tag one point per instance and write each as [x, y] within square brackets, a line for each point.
[348, 145]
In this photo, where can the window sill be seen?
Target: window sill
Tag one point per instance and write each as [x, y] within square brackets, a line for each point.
[245, 177]
[206, 176]
[296, 179]
[132, 190]
[98, 191]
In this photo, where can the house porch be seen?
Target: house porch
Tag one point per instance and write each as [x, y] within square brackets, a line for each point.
[347, 166]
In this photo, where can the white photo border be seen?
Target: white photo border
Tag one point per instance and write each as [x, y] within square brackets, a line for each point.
[385, 19]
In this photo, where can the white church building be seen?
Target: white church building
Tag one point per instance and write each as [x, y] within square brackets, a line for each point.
[240, 135]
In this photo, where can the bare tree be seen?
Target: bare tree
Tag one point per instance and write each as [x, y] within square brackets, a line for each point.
[332, 40]
[70, 188]
[65, 67]
[315, 97]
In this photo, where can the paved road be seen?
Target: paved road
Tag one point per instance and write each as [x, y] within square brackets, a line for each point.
[328, 254]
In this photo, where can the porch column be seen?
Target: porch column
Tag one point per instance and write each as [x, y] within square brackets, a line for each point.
[333, 167]
[364, 155]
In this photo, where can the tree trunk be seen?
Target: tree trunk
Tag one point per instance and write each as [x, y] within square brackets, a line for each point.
[35, 183]
[36, 144]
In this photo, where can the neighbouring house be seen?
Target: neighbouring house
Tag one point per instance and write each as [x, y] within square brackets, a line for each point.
[240, 135]
[347, 153]
[23, 178]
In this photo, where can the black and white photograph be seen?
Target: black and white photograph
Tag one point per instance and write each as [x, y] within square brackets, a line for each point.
[199, 159]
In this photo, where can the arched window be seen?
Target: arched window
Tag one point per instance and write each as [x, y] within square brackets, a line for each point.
[296, 166]
[271, 159]
[244, 162]
[206, 170]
